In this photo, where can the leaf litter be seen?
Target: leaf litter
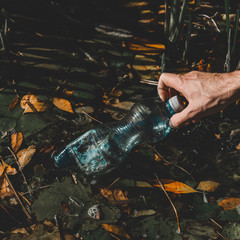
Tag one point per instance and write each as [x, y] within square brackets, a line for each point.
[121, 65]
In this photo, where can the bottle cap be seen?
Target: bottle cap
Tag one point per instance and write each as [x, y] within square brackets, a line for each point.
[176, 104]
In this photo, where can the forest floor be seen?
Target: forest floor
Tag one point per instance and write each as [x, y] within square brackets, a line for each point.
[67, 66]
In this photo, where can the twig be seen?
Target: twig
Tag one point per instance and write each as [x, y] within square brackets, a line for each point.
[221, 235]
[20, 169]
[175, 210]
[216, 223]
[211, 19]
[175, 165]
[92, 117]
[109, 185]
[150, 82]
[15, 193]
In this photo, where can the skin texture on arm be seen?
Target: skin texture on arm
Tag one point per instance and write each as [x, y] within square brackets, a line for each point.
[206, 93]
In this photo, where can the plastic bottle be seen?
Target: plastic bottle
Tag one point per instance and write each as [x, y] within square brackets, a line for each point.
[106, 146]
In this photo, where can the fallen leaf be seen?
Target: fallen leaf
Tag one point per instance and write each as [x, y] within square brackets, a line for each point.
[208, 186]
[63, 104]
[141, 213]
[120, 231]
[136, 4]
[143, 184]
[238, 147]
[14, 103]
[16, 141]
[5, 190]
[229, 203]
[175, 187]
[5, 168]
[31, 103]
[25, 155]
[114, 195]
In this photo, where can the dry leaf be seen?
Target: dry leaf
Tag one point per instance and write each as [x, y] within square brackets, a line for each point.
[4, 168]
[175, 186]
[143, 184]
[238, 147]
[142, 213]
[31, 103]
[16, 141]
[25, 155]
[63, 104]
[120, 231]
[14, 103]
[114, 195]
[208, 186]
[229, 203]
[136, 4]
[5, 190]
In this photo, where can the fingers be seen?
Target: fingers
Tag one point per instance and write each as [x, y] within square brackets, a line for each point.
[166, 81]
[181, 118]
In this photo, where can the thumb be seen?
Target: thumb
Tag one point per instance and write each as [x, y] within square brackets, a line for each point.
[179, 119]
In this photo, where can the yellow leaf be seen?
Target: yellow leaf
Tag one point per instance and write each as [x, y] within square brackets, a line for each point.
[120, 231]
[208, 186]
[31, 103]
[67, 92]
[16, 140]
[63, 104]
[229, 203]
[175, 186]
[25, 155]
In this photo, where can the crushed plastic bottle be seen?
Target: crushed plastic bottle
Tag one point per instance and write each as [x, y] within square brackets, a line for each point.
[106, 146]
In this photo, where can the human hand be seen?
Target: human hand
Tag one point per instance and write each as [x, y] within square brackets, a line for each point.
[206, 93]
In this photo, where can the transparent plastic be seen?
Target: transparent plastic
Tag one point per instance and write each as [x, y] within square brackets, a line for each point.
[106, 146]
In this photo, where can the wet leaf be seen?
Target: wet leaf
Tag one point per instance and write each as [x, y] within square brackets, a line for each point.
[175, 186]
[31, 103]
[16, 140]
[25, 155]
[208, 186]
[229, 203]
[14, 103]
[63, 104]
[120, 231]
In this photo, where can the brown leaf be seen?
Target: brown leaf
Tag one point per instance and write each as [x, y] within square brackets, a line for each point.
[16, 140]
[25, 155]
[5, 190]
[116, 194]
[14, 103]
[229, 203]
[208, 186]
[136, 4]
[175, 186]
[31, 103]
[120, 231]
[63, 104]
[4, 168]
